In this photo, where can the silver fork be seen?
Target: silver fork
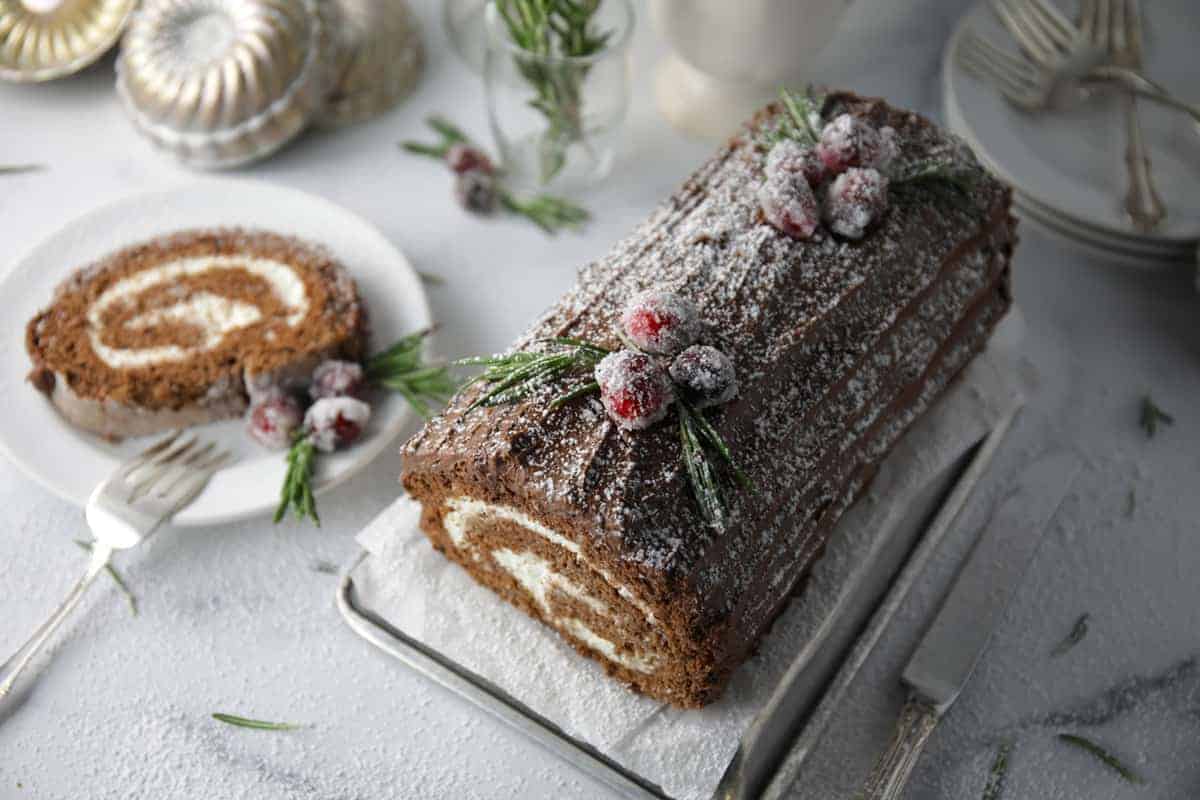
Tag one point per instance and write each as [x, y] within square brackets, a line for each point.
[122, 512]
[1116, 27]
[1049, 68]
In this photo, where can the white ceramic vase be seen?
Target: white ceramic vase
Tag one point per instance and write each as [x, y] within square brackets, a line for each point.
[728, 56]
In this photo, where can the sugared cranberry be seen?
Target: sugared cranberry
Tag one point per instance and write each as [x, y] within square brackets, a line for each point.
[661, 322]
[334, 422]
[475, 191]
[789, 157]
[634, 388]
[788, 203]
[463, 158]
[335, 378]
[274, 418]
[704, 375]
[847, 142]
[855, 200]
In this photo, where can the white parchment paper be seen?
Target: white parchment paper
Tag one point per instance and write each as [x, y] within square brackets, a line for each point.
[685, 752]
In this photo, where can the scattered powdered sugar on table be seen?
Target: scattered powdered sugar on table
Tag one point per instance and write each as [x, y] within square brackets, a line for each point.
[685, 752]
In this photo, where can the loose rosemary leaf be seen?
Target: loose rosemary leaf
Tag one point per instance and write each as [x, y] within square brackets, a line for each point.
[994, 787]
[257, 724]
[130, 597]
[1107, 758]
[1078, 631]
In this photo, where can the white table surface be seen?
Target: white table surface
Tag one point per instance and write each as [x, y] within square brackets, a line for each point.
[235, 619]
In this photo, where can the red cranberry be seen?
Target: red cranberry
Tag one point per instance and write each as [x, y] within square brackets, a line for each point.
[855, 200]
[705, 376]
[335, 422]
[464, 158]
[847, 142]
[274, 418]
[335, 378]
[475, 191]
[634, 388]
[789, 157]
[661, 322]
[788, 203]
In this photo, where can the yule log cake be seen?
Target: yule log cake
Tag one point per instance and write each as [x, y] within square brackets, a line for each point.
[825, 275]
[181, 330]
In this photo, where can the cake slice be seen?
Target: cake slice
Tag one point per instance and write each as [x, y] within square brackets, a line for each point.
[182, 330]
[839, 344]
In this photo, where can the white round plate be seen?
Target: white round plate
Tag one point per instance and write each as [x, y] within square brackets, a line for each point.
[1069, 161]
[71, 463]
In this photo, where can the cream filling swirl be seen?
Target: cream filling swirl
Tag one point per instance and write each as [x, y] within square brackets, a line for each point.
[214, 315]
[535, 575]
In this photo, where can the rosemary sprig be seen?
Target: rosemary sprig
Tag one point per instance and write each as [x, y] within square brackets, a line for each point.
[297, 493]
[995, 782]
[18, 169]
[937, 175]
[257, 724]
[130, 597]
[449, 134]
[1111, 761]
[401, 369]
[548, 212]
[1078, 631]
[703, 449]
[801, 118]
[513, 376]
[549, 30]
[1153, 416]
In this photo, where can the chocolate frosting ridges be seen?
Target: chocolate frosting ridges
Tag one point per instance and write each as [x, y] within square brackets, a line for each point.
[838, 345]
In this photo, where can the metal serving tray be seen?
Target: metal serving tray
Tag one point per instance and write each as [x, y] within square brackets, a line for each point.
[774, 748]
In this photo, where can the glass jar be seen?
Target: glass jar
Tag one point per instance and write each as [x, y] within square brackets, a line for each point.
[557, 118]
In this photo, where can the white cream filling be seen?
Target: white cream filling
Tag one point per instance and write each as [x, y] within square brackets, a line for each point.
[537, 578]
[214, 315]
[638, 662]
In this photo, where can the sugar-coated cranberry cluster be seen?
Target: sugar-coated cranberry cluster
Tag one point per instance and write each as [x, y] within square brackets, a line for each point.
[335, 419]
[637, 386]
[841, 180]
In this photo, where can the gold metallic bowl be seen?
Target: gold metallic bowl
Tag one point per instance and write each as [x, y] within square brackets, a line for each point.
[379, 59]
[220, 83]
[45, 39]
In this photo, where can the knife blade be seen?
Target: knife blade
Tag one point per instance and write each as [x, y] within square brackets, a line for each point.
[947, 654]
[975, 605]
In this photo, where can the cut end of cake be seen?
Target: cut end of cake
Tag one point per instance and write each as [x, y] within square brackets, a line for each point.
[181, 330]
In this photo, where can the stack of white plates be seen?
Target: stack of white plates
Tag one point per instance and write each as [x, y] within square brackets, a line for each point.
[1067, 165]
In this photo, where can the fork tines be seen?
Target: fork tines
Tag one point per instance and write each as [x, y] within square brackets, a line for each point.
[173, 469]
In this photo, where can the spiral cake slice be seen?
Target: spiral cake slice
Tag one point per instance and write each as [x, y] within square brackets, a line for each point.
[839, 343]
[181, 330]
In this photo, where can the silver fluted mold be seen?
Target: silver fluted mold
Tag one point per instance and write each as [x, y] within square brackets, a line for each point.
[379, 56]
[46, 39]
[220, 83]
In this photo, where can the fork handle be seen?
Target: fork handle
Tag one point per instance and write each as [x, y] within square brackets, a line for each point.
[1142, 203]
[890, 775]
[1133, 81]
[12, 669]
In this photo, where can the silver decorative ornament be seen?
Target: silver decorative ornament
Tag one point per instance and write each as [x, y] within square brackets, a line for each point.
[45, 39]
[379, 59]
[220, 83]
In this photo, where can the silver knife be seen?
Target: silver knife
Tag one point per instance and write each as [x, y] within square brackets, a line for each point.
[975, 605]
